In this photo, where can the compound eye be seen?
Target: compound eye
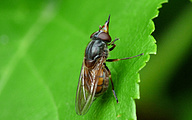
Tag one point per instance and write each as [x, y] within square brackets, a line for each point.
[105, 37]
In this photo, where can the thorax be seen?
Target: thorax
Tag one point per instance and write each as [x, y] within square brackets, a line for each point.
[94, 50]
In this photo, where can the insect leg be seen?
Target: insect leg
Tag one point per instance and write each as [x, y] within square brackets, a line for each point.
[111, 83]
[112, 43]
[113, 60]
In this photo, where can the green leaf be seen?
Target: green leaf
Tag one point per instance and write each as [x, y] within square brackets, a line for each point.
[42, 47]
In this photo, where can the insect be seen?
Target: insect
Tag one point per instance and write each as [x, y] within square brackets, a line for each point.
[95, 75]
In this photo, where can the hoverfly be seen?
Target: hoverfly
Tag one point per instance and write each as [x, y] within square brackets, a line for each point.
[95, 75]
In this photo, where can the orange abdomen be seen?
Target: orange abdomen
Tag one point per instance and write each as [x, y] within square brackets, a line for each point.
[103, 82]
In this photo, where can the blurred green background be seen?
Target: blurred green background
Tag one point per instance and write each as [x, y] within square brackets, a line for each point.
[165, 88]
[166, 81]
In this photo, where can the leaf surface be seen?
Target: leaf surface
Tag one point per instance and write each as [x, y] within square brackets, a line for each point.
[42, 47]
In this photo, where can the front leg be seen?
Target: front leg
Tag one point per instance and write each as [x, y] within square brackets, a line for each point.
[113, 45]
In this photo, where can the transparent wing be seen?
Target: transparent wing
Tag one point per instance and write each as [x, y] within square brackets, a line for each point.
[87, 86]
